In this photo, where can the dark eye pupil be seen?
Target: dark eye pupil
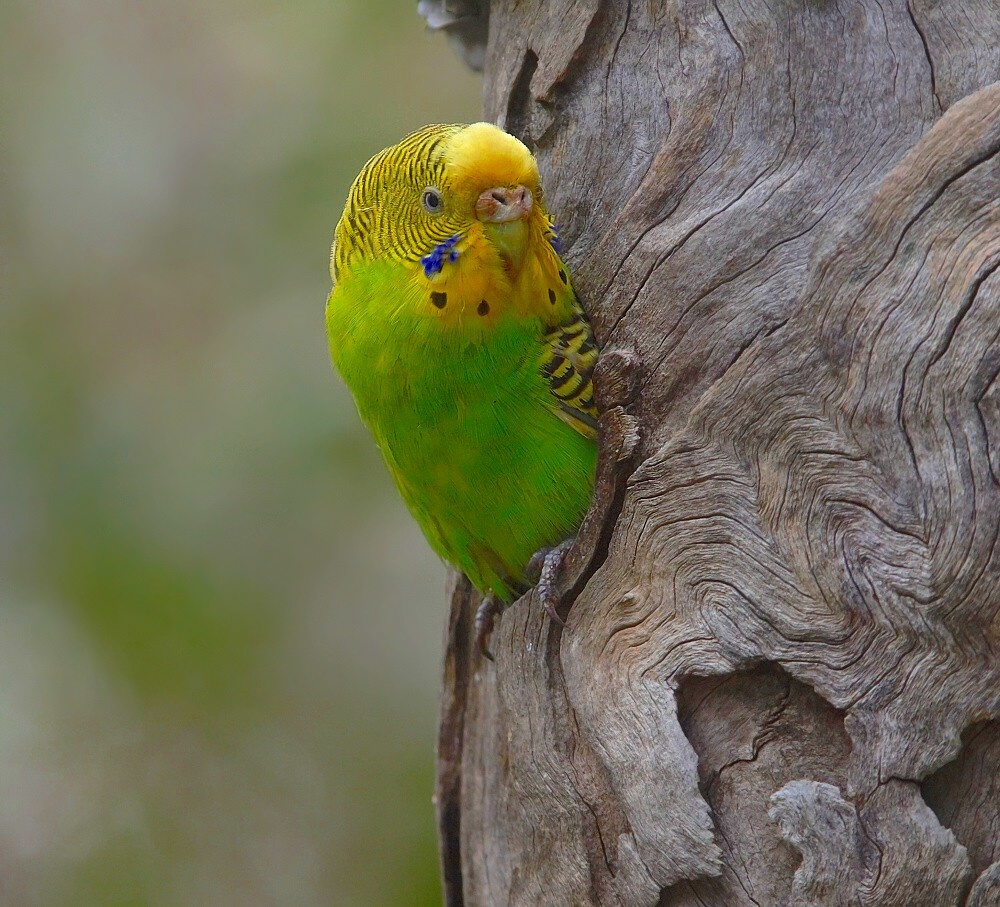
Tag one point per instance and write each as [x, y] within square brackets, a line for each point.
[432, 201]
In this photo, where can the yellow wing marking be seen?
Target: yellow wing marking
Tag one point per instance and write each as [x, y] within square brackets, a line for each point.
[568, 359]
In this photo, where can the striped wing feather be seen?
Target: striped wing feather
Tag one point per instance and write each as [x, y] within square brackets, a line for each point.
[568, 359]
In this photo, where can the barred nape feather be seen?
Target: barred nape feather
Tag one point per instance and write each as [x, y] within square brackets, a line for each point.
[379, 217]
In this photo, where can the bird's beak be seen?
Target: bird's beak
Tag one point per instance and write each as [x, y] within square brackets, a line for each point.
[504, 204]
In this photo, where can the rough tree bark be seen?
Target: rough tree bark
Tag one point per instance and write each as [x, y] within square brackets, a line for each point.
[779, 679]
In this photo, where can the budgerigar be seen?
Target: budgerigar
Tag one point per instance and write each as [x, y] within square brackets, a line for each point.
[454, 322]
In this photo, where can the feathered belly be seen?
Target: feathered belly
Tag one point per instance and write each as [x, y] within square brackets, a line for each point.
[490, 473]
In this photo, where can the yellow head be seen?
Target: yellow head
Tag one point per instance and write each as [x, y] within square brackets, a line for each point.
[439, 187]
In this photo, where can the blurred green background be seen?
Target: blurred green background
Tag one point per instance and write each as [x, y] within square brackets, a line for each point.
[221, 632]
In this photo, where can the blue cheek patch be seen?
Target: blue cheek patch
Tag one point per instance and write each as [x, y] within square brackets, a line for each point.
[554, 239]
[445, 251]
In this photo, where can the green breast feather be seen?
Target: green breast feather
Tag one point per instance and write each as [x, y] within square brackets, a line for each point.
[491, 442]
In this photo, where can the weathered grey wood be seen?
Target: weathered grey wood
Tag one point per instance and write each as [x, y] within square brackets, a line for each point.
[465, 22]
[965, 794]
[786, 603]
[986, 891]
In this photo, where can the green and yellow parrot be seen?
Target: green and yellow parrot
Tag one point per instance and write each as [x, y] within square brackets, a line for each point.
[454, 322]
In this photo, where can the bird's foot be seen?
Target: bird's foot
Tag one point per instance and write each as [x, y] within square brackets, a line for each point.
[542, 570]
[544, 567]
[486, 615]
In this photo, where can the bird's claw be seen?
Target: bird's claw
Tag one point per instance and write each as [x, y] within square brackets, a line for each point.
[548, 593]
[543, 568]
[485, 618]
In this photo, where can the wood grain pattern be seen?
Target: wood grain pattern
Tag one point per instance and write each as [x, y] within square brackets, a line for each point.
[784, 609]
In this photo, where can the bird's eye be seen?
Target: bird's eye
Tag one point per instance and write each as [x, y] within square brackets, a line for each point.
[432, 201]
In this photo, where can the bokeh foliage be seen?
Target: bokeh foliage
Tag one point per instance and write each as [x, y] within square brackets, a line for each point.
[221, 631]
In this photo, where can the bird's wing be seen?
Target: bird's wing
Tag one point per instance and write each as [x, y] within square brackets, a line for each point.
[568, 358]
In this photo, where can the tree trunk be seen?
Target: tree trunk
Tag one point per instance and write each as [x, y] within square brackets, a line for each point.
[779, 679]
